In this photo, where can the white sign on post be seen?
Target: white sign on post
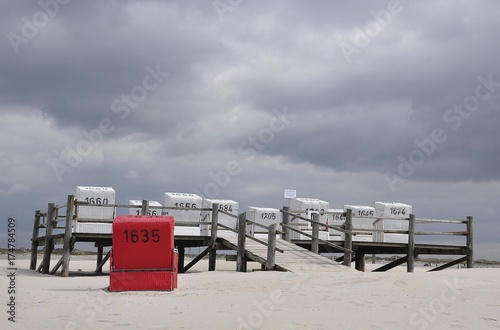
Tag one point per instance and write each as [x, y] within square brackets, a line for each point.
[290, 193]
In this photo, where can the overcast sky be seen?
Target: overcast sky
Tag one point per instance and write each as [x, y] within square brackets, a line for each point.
[347, 102]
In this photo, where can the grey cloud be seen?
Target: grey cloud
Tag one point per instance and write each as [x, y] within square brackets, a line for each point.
[225, 77]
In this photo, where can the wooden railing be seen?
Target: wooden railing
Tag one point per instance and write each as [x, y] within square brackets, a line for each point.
[348, 229]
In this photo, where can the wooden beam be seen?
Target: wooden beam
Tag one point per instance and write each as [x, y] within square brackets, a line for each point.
[470, 247]
[315, 234]
[34, 240]
[48, 238]
[181, 250]
[56, 267]
[100, 250]
[410, 265]
[271, 248]
[195, 260]
[360, 261]
[145, 207]
[241, 262]
[391, 265]
[286, 221]
[212, 258]
[103, 261]
[230, 257]
[442, 233]
[449, 264]
[68, 234]
[348, 238]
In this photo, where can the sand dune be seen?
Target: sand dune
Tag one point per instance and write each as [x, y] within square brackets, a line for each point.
[224, 299]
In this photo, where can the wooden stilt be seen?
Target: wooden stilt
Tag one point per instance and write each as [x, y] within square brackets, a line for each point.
[100, 250]
[286, 221]
[348, 238]
[360, 261]
[470, 254]
[48, 238]
[68, 232]
[34, 240]
[241, 262]
[212, 258]
[103, 261]
[145, 207]
[410, 264]
[181, 250]
[315, 234]
[271, 248]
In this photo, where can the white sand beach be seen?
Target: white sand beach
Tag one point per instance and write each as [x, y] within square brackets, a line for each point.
[225, 299]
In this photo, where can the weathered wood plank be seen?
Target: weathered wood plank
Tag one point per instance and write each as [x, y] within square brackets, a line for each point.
[391, 265]
[195, 260]
[212, 258]
[102, 262]
[286, 222]
[271, 247]
[449, 264]
[56, 267]
[315, 234]
[34, 240]
[410, 265]
[348, 238]
[241, 263]
[48, 238]
[470, 248]
[68, 234]
[359, 261]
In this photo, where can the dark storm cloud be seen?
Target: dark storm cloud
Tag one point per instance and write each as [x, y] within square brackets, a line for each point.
[101, 53]
[221, 77]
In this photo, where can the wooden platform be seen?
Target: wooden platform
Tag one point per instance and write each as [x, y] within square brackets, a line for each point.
[276, 252]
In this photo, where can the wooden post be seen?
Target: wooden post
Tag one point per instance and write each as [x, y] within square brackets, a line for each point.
[34, 240]
[271, 247]
[103, 261]
[348, 238]
[360, 261]
[241, 263]
[286, 221]
[315, 233]
[410, 263]
[182, 253]
[195, 260]
[470, 250]
[145, 207]
[100, 250]
[68, 235]
[212, 256]
[48, 238]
